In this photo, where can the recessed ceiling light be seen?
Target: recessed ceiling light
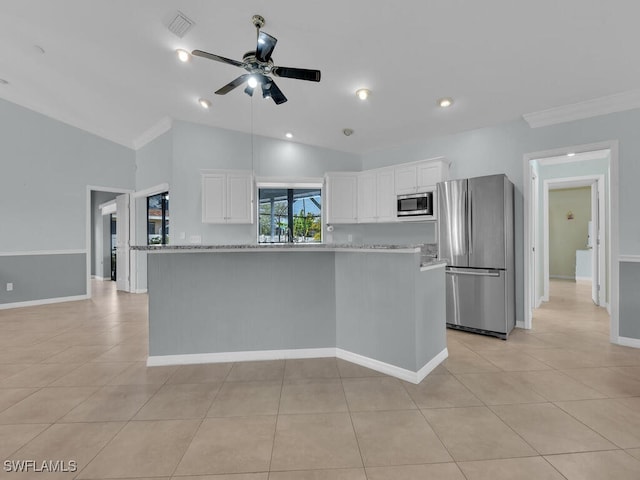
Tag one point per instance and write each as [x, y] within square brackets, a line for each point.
[445, 102]
[288, 135]
[204, 103]
[571, 154]
[183, 55]
[347, 132]
[252, 82]
[363, 93]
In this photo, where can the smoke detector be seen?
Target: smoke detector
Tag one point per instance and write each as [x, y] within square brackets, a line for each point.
[347, 132]
[180, 24]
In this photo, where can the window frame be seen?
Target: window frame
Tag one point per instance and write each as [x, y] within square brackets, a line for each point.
[294, 185]
[164, 236]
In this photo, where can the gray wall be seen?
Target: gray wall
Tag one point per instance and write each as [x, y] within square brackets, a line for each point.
[227, 302]
[46, 166]
[154, 164]
[197, 147]
[500, 149]
[630, 307]
[38, 277]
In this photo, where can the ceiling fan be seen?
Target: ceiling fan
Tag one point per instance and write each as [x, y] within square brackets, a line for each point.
[259, 64]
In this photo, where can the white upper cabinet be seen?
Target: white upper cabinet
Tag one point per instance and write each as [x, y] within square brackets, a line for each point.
[386, 195]
[341, 197]
[420, 176]
[376, 196]
[227, 197]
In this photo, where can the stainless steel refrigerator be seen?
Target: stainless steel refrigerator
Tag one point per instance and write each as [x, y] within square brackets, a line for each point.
[476, 239]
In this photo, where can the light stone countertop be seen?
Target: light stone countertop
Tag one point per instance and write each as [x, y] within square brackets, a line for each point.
[296, 247]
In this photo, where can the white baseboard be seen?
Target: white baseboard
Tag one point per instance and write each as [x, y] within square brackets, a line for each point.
[563, 277]
[608, 307]
[223, 357]
[44, 301]
[140, 290]
[520, 324]
[584, 279]
[539, 302]
[102, 279]
[246, 356]
[629, 342]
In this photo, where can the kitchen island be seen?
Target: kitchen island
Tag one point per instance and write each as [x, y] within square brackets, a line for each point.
[378, 306]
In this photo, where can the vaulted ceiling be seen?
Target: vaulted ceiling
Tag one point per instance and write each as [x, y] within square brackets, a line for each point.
[109, 66]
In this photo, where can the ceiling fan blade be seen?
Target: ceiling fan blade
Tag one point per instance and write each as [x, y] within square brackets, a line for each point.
[270, 89]
[217, 58]
[298, 73]
[232, 84]
[266, 44]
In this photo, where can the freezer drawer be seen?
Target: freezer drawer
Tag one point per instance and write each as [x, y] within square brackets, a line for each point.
[476, 299]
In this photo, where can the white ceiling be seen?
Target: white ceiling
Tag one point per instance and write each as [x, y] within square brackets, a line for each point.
[110, 66]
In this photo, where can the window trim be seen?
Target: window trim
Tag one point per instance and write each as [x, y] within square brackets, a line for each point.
[302, 183]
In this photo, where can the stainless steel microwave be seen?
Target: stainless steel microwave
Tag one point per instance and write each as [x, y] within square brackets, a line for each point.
[415, 206]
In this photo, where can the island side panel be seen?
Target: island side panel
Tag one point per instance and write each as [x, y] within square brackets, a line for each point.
[375, 306]
[431, 331]
[240, 301]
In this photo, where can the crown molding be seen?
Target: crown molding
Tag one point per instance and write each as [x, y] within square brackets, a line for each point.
[149, 135]
[618, 102]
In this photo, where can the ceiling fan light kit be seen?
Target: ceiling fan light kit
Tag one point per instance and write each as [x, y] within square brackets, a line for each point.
[259, 65]
[445, 102]
[183, 55]
[363, 93]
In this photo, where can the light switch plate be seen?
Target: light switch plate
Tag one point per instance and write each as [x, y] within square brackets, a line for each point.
[10, 287]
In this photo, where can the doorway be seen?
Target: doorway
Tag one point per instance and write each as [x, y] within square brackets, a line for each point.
[590, 171]
[100, 253]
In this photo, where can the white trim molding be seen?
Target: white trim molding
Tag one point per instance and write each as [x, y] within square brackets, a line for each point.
[618, 102]
[153, 132]
[43, 252]
[629, 258]
[44, 301]
[245, 356]
[156, 189]
[629, 342]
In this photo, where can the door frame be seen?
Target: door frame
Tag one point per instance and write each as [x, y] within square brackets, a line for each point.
[88, 216]
[612, 146]
[598, 275]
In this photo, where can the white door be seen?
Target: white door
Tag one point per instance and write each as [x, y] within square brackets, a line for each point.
[122, 242]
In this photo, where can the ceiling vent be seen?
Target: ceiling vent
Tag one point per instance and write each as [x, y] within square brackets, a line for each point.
[180, 24]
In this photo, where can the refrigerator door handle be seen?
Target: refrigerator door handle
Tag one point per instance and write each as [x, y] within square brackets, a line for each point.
[470, 221]
[476, 272]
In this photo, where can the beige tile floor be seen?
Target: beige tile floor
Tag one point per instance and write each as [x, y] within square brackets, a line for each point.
[556, 402]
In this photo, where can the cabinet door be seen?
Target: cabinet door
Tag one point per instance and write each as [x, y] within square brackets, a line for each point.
[239, 190]
[342, 200]
[367, 198]
[385, 196]
[429, 173]
[406, 179]
[214, 198]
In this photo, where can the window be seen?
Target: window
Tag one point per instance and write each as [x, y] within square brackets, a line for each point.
[290, 215]
[158, 219]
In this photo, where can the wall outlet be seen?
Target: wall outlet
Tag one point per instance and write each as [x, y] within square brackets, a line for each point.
[195, 239]
[349, 238]
[10, 287]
